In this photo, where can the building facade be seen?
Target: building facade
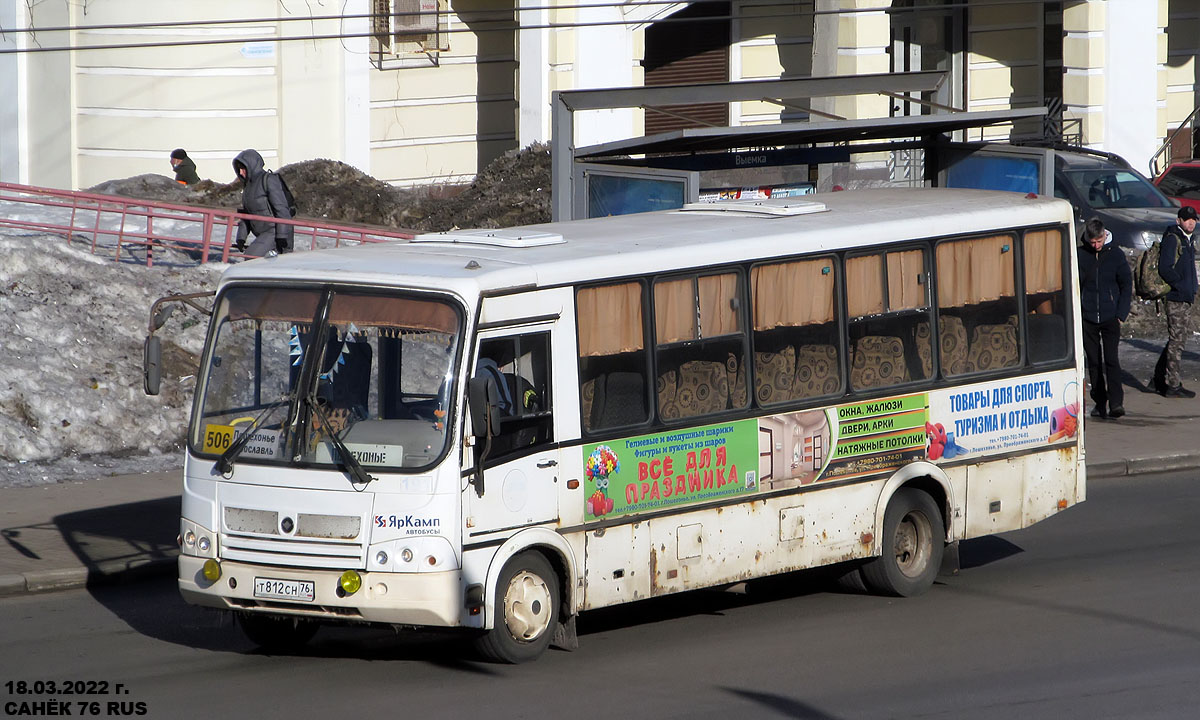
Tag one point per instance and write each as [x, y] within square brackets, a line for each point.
[418, 92]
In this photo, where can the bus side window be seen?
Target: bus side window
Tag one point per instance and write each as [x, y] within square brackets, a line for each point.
[520, 366]
[1046, 325]
[699, 345]
[612, 356]
[976, 284]
[887, 301]
[796, 346]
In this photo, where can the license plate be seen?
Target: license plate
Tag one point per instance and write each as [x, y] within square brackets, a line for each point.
[276, 589]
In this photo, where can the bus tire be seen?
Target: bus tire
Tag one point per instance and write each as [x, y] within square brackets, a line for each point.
[912, 543]
[526, 611]
[277, 634]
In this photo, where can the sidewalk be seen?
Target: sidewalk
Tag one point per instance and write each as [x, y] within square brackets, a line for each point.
[70, 535]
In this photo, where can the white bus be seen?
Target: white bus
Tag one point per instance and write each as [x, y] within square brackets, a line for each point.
[497, 430]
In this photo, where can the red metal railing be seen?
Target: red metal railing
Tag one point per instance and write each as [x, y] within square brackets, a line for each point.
[132, 229]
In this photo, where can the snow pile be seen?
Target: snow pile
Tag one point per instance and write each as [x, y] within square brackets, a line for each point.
[73, 324]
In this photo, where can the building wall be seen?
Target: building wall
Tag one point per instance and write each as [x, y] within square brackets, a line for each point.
[441, 117]
[1181, 70]
[770, 40]
[1004, 61]
[46, 122]
[133, 106]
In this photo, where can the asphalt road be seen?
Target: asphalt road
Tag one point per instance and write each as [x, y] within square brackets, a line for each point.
[1091, 614]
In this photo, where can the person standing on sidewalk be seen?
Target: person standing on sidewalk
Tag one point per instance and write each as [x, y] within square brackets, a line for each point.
[1177, 243]
[1105, 294]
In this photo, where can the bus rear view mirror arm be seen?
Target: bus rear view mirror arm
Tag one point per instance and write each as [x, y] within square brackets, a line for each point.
[152, 349]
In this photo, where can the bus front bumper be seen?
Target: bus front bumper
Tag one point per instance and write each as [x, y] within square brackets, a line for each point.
[432, 599]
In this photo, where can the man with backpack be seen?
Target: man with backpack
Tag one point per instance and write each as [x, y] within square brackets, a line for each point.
[264, 193]
[1177, 244]
[1105, 294]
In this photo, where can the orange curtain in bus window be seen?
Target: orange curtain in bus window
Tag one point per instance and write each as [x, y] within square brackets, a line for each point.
[792, 294]
[1043, 261]
[906, 272]
[975, 271]
[609, 319]
[864, 285]
[675, 310]
[718, 309]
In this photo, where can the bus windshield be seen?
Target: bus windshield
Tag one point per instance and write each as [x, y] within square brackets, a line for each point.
[298, 368]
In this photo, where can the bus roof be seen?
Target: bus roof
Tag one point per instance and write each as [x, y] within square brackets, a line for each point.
[666, 241]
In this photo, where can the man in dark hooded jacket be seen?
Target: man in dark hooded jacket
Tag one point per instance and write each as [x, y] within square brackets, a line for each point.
[185, 169]
[262, 194]
[1105, 295]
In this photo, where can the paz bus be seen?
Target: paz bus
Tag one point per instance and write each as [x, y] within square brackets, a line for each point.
[496, 430]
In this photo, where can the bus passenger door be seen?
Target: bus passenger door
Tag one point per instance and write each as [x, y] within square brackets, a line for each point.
[522, 465]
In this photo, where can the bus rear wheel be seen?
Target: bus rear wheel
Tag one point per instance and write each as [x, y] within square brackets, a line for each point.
[526, 611]
[277, 634]
[913, 540]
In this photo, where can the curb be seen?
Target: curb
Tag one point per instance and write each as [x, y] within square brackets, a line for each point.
[46, 581]
[1144, 465]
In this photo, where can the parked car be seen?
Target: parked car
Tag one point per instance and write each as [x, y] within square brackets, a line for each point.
[1101, 184]
[1181, 182]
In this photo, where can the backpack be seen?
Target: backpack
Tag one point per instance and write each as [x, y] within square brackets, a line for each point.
[1147, 280]
[287, 191]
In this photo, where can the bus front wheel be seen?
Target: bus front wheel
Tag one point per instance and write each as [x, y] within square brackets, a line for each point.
[913, 541]
[526, 610]
[277, 634]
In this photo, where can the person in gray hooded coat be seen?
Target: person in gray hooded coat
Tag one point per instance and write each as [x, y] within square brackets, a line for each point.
[262, 194]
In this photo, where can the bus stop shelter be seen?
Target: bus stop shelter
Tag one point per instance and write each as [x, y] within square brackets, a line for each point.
[663, 170]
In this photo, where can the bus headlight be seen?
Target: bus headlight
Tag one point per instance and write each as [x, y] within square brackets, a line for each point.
[412, 554]
[198, 541]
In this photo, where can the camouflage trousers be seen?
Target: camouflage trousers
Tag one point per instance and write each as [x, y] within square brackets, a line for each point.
[1178, 320]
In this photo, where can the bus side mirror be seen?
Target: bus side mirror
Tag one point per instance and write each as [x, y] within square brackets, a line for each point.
[483, 401]
[152, 365]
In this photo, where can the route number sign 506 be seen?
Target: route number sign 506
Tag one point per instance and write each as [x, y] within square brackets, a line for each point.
[217, 438]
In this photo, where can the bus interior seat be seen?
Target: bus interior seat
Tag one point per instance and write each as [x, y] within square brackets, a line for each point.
[618, 399]
[1047, 337]
[878, 361]
[735, 370]
[952, 342]
[774, 375]
[703, 388]
[993, 346]
[666, 387]
[818, 372]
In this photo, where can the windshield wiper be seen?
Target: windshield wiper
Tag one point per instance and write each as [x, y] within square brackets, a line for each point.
[357, 473]
[225, 463]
